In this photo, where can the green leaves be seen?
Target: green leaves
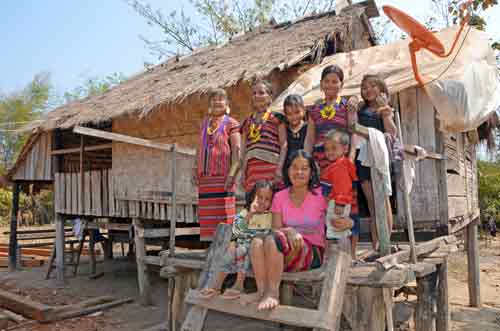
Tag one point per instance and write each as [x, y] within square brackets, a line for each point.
[489, 187]
[94, 86]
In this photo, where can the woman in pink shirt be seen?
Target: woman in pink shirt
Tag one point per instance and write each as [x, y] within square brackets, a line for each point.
[298, 240]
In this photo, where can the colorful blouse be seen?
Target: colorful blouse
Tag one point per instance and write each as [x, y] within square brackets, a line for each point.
[214, 156]
[267, 148]
[323, 125]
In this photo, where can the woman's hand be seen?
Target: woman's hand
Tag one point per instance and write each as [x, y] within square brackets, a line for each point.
[352, 104]
[229, 183]
[194, 176]
[294, 238]
[382, 100]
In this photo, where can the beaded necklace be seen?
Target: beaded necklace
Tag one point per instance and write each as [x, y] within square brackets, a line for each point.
[254, 132]
[328, 112]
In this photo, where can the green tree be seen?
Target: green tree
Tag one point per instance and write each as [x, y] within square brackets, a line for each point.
[216, 21]
[18, 109]
[93, 86]
[489, 188]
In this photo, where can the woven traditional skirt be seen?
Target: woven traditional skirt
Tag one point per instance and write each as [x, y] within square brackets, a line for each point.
[259, 170]
[215, 205]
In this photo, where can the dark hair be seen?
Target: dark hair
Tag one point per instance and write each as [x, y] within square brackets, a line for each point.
[333, 69]
[250, 197]
[382, 86]
[266, 84]
[291, 100]
[217, 92]
[313, 180]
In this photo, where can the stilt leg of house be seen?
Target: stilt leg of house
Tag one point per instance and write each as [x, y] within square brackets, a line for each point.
[142, 269]
[443, 311]
[13, 228]
[426, 302]
[60, 243]
[367, 308]
[473, 265]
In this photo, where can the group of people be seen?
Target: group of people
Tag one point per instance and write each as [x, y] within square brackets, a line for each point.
[300, 175]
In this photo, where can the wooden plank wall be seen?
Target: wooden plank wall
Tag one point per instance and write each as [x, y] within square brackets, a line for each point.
[418, 127]
[100, 199]
[37, 165]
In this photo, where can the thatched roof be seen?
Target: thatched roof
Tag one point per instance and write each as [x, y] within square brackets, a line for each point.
[255, 53]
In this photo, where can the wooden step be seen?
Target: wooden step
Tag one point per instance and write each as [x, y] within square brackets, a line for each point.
[309, 318]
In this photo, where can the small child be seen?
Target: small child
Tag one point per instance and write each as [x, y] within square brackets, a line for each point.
[253, 221]
[340, 174]
[296, 126]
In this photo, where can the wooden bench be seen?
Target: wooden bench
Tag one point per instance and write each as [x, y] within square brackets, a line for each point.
[367, 302]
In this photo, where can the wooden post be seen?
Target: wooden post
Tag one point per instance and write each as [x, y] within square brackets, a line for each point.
[388, 303]
[60, 243]
[368, 309]
[406, 198]
[92, 236]
[82, 175]
[142, 270]
[379, 197]
[337, 268]
[426, 300]
[442, 175]
[173, 218]
[13, 228]
[443, 310]
[473, 265]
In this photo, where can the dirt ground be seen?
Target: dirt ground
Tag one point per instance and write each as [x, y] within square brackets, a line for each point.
[120, 280]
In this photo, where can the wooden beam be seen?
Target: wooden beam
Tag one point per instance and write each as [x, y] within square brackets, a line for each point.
[166, 233]
[13, 227]
[442, 175]
[473, 272]
[173, 218]
[130, 140]
[388, 262]
[25, 306]
[379, 197]
[78, 149]
[409, 149]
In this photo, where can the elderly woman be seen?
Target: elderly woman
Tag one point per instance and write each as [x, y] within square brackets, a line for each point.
[217, 155]
[298, 239]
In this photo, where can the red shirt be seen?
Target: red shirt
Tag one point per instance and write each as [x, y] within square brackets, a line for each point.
[340, 174]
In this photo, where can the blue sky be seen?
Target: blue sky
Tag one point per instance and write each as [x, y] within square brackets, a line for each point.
[79, 39]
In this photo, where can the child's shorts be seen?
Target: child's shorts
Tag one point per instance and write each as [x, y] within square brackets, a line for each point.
[356, 228]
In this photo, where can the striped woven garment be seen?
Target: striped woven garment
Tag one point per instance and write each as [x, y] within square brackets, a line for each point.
[215, 204]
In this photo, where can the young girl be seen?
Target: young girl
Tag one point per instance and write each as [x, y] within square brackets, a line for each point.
[252, 222]
[218, 151]
[332, 112]
[296, 126]
[375, 112]
[262, 139]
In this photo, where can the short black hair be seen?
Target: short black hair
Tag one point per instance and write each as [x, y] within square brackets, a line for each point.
[291, 100]
[313, 180]
[333, 69]
[250, 197]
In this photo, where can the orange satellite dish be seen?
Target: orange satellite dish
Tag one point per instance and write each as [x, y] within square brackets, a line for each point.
[421, 37]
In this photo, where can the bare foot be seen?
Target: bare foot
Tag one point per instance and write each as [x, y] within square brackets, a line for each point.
[270, 301]
[247, 299]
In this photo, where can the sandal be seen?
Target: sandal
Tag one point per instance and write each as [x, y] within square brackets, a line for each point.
[231, 294]
[209, 293]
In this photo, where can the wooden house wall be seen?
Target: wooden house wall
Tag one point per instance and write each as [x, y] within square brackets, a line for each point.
[99, 199]
[37, 165]
[419, 128]
[418, 121]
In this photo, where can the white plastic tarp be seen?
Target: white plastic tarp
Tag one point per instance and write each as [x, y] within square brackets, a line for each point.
[463, 87]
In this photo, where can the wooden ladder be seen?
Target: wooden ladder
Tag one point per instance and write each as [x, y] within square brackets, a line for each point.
[74, 254]
[333, 274]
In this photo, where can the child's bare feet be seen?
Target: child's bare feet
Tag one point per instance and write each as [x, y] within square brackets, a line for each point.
[250, 298]
[209, 293]
[270, 301]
